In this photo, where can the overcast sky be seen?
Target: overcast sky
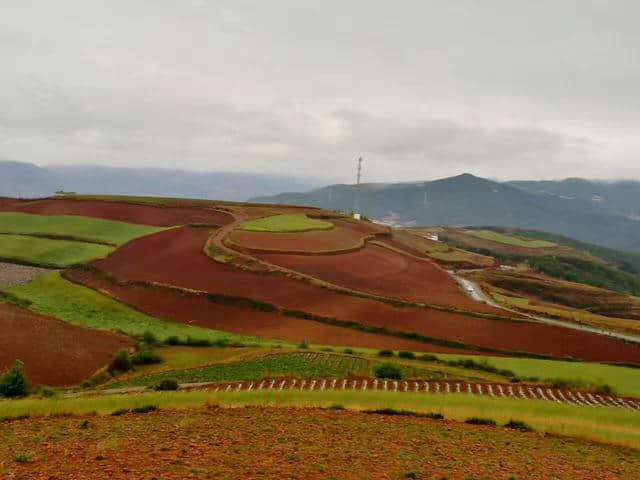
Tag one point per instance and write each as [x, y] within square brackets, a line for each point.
[508, 89]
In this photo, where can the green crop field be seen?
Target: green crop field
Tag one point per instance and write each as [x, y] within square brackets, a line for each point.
[54, 296]
[510, 239]
[307, 364]
[47, 252]
[286, 223]
[625, 380]
[605, 424]
[82, 228]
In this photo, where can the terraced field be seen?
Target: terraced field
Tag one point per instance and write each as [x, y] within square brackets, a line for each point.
[50, 253]
[510, 239]
[286, 223]
[133, 210]
[53, 351]
[70, 226]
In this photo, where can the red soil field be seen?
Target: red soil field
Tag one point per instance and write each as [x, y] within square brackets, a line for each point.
[197, 310]
[125, 212]
[340, 238]
[395, 275]
[296, 443]
[175, 257]
[54, 352]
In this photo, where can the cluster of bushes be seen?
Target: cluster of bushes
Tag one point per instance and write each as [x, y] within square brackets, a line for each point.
[174, 340]
[14, 382]
[388, 370]
[512, 424]
[123, 361]
[481, 365]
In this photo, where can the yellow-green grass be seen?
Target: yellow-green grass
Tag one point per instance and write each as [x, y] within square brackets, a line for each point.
[78, 227]
[571, 315]
[54, 296]
[624, 380]
[286, 223]
[47, 252]
[604, 424]
[510, 239]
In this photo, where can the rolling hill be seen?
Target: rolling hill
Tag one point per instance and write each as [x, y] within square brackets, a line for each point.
[467, 200]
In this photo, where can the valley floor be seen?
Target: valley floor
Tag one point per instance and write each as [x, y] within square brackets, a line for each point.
[293, 443]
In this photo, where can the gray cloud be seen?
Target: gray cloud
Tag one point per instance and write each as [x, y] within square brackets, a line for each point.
[422, 89]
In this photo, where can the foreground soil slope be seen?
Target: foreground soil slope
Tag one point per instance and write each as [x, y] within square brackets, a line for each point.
[274, 443]
[54, 352]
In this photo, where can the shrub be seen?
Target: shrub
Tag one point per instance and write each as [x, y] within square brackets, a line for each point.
[146, 357]
[23, 457]
[427, 357]
[304, 345]
[172, 340]
[144, 409]
[385, 353]
[167, 384]
[197, 342]
[14, 382]
[121, 411]
[388, 370]
[480, 421]
[84, 424]
[434, 416]
[518, 425]
[149, 338]
[406, 354]
[122, 363]
[605, 389]
[335, 407]
[349, 351]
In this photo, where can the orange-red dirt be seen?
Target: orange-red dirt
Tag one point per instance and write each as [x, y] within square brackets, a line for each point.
[176, 257]
[54, 352]
[159, 216]
[395, 275]
[290, 443]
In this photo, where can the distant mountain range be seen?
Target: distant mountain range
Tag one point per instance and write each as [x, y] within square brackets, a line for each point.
[604, 213]
[26, 180]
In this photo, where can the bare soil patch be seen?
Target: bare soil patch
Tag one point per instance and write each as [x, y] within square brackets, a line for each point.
[277, 443]
[12, 274]
[160, 216]
[54, 352]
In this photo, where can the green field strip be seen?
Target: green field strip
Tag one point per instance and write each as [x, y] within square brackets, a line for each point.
[46, 252]
[74, 226]
[510, 239]
[54, 296]
[286, 223]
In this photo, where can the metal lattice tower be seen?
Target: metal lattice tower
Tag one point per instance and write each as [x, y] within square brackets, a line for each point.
[356, 199]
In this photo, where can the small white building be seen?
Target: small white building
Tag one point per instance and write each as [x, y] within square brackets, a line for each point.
[433, 236]
[356, 216]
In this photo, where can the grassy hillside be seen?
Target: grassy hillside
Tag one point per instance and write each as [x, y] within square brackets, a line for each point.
[83, 228]
[48, 252]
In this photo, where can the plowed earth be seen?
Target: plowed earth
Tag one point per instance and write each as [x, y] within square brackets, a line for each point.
[395, 275]
[54, 352]
[279, 443]
[198, 310]
[125, 212]
[175, 257]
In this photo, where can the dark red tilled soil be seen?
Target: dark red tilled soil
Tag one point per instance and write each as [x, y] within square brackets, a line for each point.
[175, 257]
[54, 352]
[125, 212]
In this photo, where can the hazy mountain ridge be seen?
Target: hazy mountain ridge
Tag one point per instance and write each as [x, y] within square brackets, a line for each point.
[565, 207]
[26, 180]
